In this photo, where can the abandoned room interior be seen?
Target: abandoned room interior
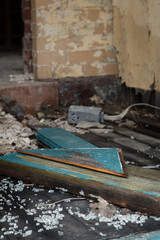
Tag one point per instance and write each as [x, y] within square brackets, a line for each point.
[80, 119]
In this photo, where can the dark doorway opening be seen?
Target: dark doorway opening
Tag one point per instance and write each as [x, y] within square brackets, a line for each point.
[11, 25]
[11, 33]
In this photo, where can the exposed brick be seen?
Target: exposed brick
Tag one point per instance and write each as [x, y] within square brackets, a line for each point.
[111, 69]
[27, 43]
[91, 70]
[59, 57]
[43, 72]
[39, 44]
[84, 3]
[86, 56]
[81, 29]
[26, 3]
[99, 28]
[110, 55]
[34, 30]
[27, 27]
[40, 3]
[26, 14]
[109, 28]
[43, 3]
[28, 67]
[101, 68]
[33, 16]
[65, 15]
[68, 43]
[93, 14]
[27, 55]
[53, 31]
[34, 57]
[45, 58]
[62, 71]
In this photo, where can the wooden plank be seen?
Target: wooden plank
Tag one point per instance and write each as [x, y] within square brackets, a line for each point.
[151, 141]
[140, 191]
[130, 155]
[142, 236]
[132, 144]
[107, 160]
[60, 138]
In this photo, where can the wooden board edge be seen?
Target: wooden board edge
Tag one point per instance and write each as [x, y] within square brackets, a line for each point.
[137, 201]
[124, 174]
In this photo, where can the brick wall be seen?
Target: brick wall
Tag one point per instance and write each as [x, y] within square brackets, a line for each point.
[72, 38]
[27, 38]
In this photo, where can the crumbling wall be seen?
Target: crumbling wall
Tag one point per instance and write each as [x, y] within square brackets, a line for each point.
[72, 38]
[136, 40]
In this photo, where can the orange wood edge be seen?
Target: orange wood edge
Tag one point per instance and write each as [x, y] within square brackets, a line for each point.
[80, 165]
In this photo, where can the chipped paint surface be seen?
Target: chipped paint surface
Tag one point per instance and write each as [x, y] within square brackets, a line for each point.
[136, 39]
[72, 28]
[78, 173]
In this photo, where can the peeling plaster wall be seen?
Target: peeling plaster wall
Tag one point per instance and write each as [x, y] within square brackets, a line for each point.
[72, 38]
[136, 40]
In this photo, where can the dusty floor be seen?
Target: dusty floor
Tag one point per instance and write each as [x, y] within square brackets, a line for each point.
[28, 211]
[12, 69]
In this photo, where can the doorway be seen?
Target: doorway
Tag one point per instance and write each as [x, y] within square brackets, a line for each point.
[11, 34]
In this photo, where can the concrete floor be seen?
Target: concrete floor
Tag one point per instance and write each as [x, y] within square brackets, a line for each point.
[11, 64]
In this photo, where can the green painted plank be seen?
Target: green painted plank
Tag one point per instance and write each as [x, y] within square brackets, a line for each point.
[108, 160]
[60, 138]
[142, 236]
[140, 191]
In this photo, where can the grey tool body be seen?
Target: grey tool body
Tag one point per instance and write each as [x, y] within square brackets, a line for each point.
[81, 113]
[94, 114]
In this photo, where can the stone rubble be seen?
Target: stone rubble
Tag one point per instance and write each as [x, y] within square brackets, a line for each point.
[14, 135]
[82, 127]
[20, 135]
[20, 78]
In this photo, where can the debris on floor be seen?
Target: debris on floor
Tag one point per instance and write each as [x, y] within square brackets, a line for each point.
[95, 99]
[14, 135]
[27, 211]
[102, 208]
[22, 205]
[87, 125]
[81, 128]
[20, 78]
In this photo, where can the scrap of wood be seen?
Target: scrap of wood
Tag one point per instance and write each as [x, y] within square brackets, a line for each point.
[107, 160]
[60, 138]
[139, 192]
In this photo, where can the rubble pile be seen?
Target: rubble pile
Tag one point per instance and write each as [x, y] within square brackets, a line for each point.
[19, 78]
[41, 121]
[21, 135]
[14, 135]
[36, 123]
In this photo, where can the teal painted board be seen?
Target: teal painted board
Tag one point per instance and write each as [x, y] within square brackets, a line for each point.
[60, 138]
[142, 236]
[140, 191]
[108, 160]
[134, 183]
